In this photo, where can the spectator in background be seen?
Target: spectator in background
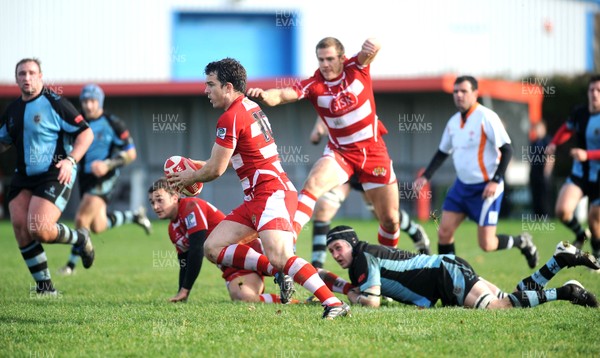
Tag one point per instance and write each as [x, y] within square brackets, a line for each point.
[541, 168]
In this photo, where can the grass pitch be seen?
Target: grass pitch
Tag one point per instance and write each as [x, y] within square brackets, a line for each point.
[119, 308]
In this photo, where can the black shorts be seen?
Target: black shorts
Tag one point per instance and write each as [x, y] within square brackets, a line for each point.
[456, 282]
[43, 185]
[102, 187]
[354, 184]
[589, 189]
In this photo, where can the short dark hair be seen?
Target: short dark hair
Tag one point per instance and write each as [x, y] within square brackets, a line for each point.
[594, 78]
[331, 41]
[25, 60]
[229, 70]
[162, 183]
[471, 80]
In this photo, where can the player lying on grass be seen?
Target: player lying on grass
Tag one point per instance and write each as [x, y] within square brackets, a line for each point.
[422, 280]
[191, 221]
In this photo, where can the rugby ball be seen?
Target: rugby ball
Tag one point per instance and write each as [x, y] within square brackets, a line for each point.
[176, 164]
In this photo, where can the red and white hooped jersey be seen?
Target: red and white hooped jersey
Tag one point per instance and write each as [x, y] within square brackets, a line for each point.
[346, 105]
[193, 215]
[245, 128]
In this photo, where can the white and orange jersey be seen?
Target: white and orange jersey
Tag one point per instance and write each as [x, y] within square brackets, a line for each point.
[346, 105]
[193, 215]
[246, 129]
[474, 143]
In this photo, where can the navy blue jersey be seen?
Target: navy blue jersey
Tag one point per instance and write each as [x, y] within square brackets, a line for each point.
[110, 136]
[587, 131]
[419, 280]
[42, 130]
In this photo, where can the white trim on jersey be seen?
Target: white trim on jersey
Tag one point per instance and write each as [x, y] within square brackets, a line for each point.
[355, 87]
[358, 136]
[269, 151]
[349, 118]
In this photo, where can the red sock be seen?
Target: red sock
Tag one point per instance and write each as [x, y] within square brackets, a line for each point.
[334, 282]
[306, 205]
[244, 257]
[269, 298]
[388, 238]
[305, 274]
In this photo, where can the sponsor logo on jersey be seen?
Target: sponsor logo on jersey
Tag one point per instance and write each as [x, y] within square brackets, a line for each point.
[362, 277]
[190, 221]
[221, 132]
[379, 171]
[343, 102]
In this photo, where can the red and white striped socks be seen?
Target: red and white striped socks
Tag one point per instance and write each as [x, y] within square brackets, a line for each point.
[306, 205]
[334, 282]
[303, 273]
[244, 257]
[387, 238]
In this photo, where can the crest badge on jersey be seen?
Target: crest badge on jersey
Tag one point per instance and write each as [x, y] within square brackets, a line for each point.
[190, 221]
[37, 118]
[221, 132]
[379, 171]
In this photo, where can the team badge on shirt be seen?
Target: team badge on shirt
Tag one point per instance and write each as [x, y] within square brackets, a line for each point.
[221, 132]
[190, 221]
[379, 171]
[37, 118]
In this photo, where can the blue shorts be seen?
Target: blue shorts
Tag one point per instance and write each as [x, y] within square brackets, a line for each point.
[466, 199]
[102, 187]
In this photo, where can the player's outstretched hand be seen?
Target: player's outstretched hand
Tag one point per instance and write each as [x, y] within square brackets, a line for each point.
[579, 154]
[65, 167]
[257, 94]
[99, 168]
[419, 183]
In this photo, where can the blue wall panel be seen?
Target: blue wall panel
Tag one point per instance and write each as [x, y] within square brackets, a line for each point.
[264, 48]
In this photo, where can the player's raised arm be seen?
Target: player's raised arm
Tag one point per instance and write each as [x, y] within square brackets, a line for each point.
[369, 50]
[273, 97]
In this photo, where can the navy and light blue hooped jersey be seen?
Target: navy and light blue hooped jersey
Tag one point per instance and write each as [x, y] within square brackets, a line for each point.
[587, 129]
[110, 135]
[403, 276]
[42, 130]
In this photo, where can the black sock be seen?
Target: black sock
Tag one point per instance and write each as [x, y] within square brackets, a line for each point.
[319, 248]
[66, 235]
[508, 241]
[36, 261]
[409, 226]
[530, 298]
[446, 249]
[563, 293]
[574, 225]
[118, 218]
[595, 244]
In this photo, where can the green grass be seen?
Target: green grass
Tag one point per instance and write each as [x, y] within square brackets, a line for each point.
[119, 308]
